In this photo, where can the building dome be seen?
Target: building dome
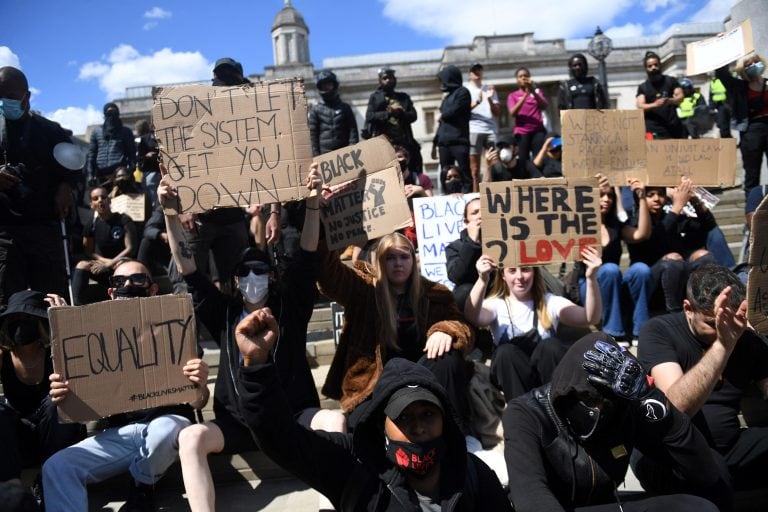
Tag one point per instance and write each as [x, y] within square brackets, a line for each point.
[288, 16]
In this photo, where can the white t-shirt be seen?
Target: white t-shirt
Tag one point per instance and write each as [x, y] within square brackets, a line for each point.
[522, 316]
[481, 119]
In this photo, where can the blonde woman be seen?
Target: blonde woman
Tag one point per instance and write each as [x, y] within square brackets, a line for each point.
[390, 311]
[523, 318]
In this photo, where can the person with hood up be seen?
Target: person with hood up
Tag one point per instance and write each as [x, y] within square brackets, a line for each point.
[332, 123]
[112, 145]
[453, 132]
[407, 452]
[568, 443]
[581, 91]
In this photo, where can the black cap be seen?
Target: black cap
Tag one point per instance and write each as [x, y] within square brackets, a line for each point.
[476, 66]
[110, 106]
[226, 61]
[405, 396]
[27, 302]
[506, 140]
[386, 71]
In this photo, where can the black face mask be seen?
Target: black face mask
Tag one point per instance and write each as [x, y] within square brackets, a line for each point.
[130, 292]
[329, 96]
[655, 75]
[416, 459]
[24, 331]
[453, 187]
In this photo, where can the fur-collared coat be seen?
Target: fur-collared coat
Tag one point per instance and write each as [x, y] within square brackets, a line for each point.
[361, 353]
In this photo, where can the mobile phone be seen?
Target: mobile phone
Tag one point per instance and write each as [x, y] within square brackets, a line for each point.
[489, 144]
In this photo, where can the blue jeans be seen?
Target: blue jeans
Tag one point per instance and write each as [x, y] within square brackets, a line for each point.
[717, 245]
[146, 450]
[637, 283]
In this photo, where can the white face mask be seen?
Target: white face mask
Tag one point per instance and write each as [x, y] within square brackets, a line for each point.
[254, 287]
[505, 155]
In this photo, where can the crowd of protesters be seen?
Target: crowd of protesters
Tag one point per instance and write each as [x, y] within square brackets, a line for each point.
[577, 411]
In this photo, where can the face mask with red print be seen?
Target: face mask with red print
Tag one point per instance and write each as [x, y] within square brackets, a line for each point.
[418, 459]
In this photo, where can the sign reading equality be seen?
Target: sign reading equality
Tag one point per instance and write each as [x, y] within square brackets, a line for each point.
[123, 355]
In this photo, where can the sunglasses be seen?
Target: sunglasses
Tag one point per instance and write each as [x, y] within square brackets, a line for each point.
[139, 279]
[257, 267]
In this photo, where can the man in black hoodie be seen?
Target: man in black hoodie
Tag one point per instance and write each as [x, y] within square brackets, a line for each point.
[112, 145]
[406, 453]
[453, 132]
[568, 443]
[332, 123]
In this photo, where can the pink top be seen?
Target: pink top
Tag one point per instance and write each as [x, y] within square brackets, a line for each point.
[528, 118]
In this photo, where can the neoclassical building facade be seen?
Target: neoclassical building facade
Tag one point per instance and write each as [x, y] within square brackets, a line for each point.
[500, 55]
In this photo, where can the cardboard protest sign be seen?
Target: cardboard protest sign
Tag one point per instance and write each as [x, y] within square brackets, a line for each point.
[369, 207]
[708, 162]
[351, 162]
[611, 142]
[540, 221]
[234, 146]
[714, 52]
[123, 355]
[130, 204]
[757, 284]
[439, 221]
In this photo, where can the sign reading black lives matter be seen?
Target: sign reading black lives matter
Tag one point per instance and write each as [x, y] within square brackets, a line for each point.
[757, 284]
[539, 221]
[369, 207]
[234, 146]
[124, 355]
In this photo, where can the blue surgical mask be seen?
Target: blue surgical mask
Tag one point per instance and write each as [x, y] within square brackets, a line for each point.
[12, 109]
[755, 70]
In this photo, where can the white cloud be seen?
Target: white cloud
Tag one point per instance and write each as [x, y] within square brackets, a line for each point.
[75, 118]
[34, 91]
[150, 25]
[628, 30]
[652, 5]
[662, 21]
[715, 10]
[8, 58]
[460, 21]
[126, 67]
[158, 13]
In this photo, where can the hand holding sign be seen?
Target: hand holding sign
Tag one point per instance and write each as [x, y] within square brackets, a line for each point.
[485, 265]
[256, 334]
[59, 388]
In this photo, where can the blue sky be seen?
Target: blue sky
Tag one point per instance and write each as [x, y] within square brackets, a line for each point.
[79, 54]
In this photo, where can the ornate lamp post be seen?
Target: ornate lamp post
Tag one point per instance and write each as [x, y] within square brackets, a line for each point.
[599, 47]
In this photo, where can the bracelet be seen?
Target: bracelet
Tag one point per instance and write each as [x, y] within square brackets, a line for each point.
[310, 208]
[275, 213]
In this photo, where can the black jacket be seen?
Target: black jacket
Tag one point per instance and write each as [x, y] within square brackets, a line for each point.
[351, 469]
[332, 126]
[107, 154]
[737, 96]
[291, 302]
[455, 109]
[461, 255]
[550, 469]
[30, 142]
[672, 233]
[565, 96]
[377, 119]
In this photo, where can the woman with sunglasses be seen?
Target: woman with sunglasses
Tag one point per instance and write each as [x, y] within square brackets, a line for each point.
[291, 301]
[29, 426]
[108, 237]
